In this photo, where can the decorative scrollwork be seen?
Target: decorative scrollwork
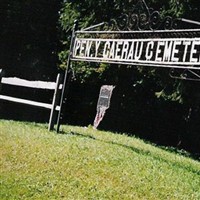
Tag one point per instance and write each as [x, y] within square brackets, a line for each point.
[155, 20]
[143, 18]
[122, 22]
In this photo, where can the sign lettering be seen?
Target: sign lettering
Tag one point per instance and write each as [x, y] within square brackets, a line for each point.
[160, 51]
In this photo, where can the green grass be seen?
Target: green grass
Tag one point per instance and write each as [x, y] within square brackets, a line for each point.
[82, 163]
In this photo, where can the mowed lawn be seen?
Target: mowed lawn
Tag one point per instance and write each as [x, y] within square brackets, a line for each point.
[82, 163]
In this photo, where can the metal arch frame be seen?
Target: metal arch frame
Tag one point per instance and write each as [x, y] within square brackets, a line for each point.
[140, 17]
[141, 20]
[186, 74]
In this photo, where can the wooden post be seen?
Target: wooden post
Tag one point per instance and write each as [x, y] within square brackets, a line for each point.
[1, 75]
[54, 104]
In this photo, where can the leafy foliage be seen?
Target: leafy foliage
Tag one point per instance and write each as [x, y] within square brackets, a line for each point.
[138, 85]
[28, 38]
[92, 12]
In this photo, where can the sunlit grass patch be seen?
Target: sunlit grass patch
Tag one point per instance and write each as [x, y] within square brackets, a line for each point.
[83, 163]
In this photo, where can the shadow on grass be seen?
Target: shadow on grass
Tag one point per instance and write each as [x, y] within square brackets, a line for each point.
[138, 151]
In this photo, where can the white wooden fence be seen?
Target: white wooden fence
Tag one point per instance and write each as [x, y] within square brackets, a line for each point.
[56, 86]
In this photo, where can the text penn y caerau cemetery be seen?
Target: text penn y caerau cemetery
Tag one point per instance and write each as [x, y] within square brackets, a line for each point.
[155, 51]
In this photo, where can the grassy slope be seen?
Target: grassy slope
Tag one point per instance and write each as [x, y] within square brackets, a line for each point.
[83, 163]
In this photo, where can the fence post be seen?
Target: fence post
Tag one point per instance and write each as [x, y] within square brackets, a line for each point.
[54, 104]
[1, 75]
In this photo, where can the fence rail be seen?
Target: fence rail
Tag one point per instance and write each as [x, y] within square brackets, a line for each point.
[56, 86]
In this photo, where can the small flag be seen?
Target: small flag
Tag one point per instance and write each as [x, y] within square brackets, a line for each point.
[103, 103]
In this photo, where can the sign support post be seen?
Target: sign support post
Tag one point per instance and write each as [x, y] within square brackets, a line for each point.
[66, 76]
[140, 37]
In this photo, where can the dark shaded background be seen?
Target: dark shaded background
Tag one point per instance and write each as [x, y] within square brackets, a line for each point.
[29, 43]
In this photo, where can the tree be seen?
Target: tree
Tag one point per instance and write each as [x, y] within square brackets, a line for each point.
[93, 12]
[29, 38]
[28, 49]
[170, 98]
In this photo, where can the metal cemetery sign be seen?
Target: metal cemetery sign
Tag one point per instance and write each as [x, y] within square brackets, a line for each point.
[103, 103]
[169, 52]
[140, 37]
